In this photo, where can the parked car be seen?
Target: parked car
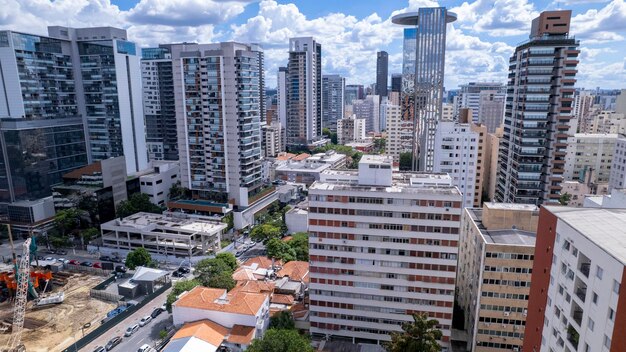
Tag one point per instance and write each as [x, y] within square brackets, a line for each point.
[105, 258]
[61, 252]
[113, 342]
[178, 274]
[89, 264]
[63, 260]
[239, 253]
[156, 312]
[184, 270]
[145, 348]
[145, 320]
[131, 330]
[97, 265]
[120, 268]
[50, 259]
[51, 251]
[74, 262]
[116, 259]
[99, 349]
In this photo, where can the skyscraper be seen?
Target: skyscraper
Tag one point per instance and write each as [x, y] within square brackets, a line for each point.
[110, 82]
[429, 25]
[304, 91]
[382, 73]
[396, 82]
[333, 87]
[158, 103]
[353, 92]
[540, 93]
[282, 96]
[218, 119]
[369, 110]
[42, 134]
[472, 95]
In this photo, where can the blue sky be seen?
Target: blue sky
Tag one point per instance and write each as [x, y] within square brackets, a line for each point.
[350, 31]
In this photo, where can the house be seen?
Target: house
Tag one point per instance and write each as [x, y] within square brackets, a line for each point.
[208, 336]
[144, 282]
[295, 271]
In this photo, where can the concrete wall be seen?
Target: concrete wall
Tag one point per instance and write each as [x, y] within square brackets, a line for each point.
[494, 218]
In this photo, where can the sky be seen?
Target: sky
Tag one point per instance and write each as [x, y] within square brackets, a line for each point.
[479, 43]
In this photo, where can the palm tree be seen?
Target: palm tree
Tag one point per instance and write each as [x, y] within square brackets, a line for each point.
[419, 336]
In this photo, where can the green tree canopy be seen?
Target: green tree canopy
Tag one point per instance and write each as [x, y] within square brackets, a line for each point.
[265, 232]
[419, 336]
[67, 220]
[138, 257]
[89, 205]
[179, 287]
[282, 320]
[217, 272]
[300, 244]
[565, 198]
[229, 259]
[280, 250]
[406, 161]
[136, 203]
[222, 280]
[281, 340]
[88, 234]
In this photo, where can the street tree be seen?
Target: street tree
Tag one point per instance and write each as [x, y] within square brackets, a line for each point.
[67, 220]
[282, 320]
[138, 202]
[138, 257]
[265, 232]
[278, 249]
[179, 287]
[281, 340]
[300, 244]
[229, 259]
[222, 280]
[421, 335]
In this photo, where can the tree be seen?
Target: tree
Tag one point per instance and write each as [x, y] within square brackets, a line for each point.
[419, 336]
[281, 340]
[207, 269]
[229, 259]
[138, 257]
[300, 244]
[282, 320]
[565, 198]
[265, 232]
[88, 234]
[89, 205]
[406, 161]
[379, 144]
[356, 157]
[229, 221]
[177, 191]
[222, 280]
[280, 250]
[136, 203]
[67, 220]
[179, 287]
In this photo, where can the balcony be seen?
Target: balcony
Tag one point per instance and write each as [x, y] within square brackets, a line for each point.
[584, 264]
[573, 336]
[577, 313]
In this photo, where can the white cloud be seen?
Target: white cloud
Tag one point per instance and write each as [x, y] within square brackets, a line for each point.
[600, 26]
[496, 18]
[185, 13]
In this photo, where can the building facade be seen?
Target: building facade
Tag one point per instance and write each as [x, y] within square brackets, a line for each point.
[354, 92]
[474, 94]
[333, 88]
[428, 70]
[159, 103]
[589, 153]
[540, 94]
[304, 91]
[491, 110]
[219, 135]
[157, 180]
[617, 178]
[399, 133]
[383, 245]
[578, 292]
[273, 139]
[350, 129]
[382, 73]
[497, 247]
[396, 82]
[368, 109]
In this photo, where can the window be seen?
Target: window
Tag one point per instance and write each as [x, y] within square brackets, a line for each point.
[599, 272]
[611, 314]
[607, 342]
[591, 324]
[616, 286]
[594, 298]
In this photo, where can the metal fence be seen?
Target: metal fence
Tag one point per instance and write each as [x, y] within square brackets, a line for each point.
[87, 269]
[105, 296]
[75, 347]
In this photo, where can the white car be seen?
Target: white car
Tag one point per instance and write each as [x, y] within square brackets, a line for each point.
[131, 330]
[63, 260]
[50, 259]
[145, 348]
[145, 320]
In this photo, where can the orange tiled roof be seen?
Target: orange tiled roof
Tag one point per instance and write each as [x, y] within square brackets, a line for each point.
[282, 299]
[85, 170]
[285, 156]
[205, 330]
[301, 157]
[263, 262]
[243, 273]
[295, 270]
[299, 310]
[241, 334]
[253, 286]
[217, 300]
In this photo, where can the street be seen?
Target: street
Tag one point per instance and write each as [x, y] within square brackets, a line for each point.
[148, 334]
[257, 250]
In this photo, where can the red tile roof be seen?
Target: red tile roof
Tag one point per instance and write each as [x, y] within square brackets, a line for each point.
[241, 334]
[217, 300]
[295, 270]
[205, 330]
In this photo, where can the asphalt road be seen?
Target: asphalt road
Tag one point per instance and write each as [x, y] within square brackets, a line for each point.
[257, 250]
[148, 334]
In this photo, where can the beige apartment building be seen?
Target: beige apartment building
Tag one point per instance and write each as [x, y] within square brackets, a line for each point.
[496, 252]
[492, 145]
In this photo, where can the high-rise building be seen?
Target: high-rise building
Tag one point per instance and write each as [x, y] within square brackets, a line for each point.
[496, 249]
[383, 246]
[382, 73]
[602, 121]
[583, 102]
[589, 153]
[617, 178]
[540, 94]
[399, 132]
[281, 95]
[354, 92]
[333, 87]
[369, 110]
[158, 103]
[473, 94]
[459, 152]
[350, 129]
[578, 281]
[396, 82]
[272, 139]
[304, 92]
[429, 25]
[218, 119]
[491, 162]
[491, 110]
[110, 72]
[42, 133]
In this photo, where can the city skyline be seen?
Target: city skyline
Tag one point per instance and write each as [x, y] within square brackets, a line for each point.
[478, 44]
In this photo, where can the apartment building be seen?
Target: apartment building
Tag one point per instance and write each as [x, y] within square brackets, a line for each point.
[333, 92]
[399, 133]
[587, 153]
[617, 178]
[350, 129]
[578, 293]
[157, 180]
[272, 139]
[602, 121]
[496, 252]
[540, 92]
[383, 245]
[492, 144]
[460, 152]
[476, 96]
[368, 109]
[218, 116]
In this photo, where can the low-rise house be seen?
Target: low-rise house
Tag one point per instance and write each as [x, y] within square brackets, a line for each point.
[208, 336]
[144, 282]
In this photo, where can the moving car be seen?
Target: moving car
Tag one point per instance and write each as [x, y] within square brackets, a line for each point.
[74, 262]
[145, 320]
[145, 348]
[131, 330]
[120, 269]
[50, 259]
[63, 260]
[178, 274]
[113, 342]
[184, 270]
[61, 252]
[99, 349]
[105, 258]
[156, 312]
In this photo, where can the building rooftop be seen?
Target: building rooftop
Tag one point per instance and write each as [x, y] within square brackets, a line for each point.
[510, 236]
[295, 270]
[149, 221]
[214, 299]
[604, 227]
[505, 236]
[303, 166]
[402, 182]
[511, 206]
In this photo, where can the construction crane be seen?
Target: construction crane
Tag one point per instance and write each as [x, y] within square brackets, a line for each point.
[22, 273]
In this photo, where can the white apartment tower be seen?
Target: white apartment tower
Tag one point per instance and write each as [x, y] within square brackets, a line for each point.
[383, 246]
[369, 110]
[399, 135]
[587, 153]
[218, 119]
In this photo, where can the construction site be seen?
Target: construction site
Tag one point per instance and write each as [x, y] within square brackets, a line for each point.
[44, 307]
